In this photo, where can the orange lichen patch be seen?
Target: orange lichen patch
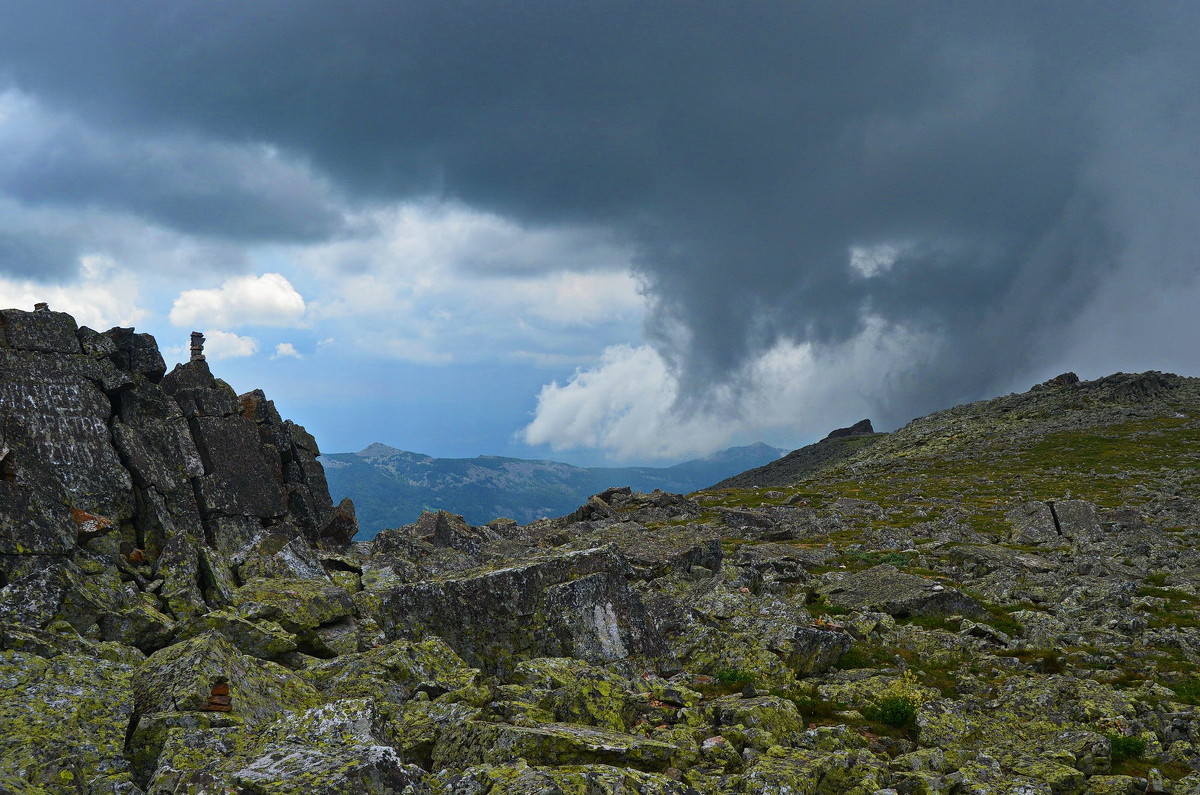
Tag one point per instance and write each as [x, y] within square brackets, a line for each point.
[248, 406]
[137, 557]
[90, 526]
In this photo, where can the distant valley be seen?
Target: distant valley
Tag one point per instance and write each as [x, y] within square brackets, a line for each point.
[391, 487]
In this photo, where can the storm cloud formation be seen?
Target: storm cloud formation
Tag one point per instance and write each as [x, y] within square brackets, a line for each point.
[985, 177]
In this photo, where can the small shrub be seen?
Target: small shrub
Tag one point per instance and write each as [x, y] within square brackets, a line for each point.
[733, 676]
[855, 657]
[999, 618]
[1047, 661]
[1188, 691]
[1126, 748]
[897, 711]
[898, 703]
[815, 709]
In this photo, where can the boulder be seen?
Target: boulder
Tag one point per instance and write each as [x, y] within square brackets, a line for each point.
[41, 331]
[576, 604]
[240, 479]
[519, 777]
[887, 589]
[136, 353]
[258, 638]
[477, 742]
[394, 673]
[575, 692]
[186, 675]
[54, 423]
[344, 746]
[1054, 522]
[799, 770]
[444, 529]
[63, 722]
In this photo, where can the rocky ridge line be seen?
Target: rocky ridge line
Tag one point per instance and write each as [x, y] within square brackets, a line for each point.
[180, 613]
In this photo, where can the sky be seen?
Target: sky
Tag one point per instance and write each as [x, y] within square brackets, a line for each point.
[609, 232]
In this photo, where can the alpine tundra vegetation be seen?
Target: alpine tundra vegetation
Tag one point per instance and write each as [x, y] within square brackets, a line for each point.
[1003, 597]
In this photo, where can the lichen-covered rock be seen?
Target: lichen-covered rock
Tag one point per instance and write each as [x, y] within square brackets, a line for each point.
[886, 588]
[576, 692]
[183, 677]
[281, 555]
[258, 638]
[1040, 728]
[190, 758]
[576, 604]
[760, 722]
[768, 639]
[94, 601]
[394, 673]
[1119, 785]
[1054, 522]
[478, 742]
[344, 746]
[419, 724]
[145, 744]
[521, 779]
[63, 722]
[783, 771]
[294, 769]
[315, 610]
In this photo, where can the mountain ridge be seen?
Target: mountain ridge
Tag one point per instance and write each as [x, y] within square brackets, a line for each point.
[390, 487]
[1001, 597]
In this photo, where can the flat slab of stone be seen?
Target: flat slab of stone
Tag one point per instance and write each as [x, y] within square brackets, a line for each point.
[477, 742]
[65, 715]
[54, 425]
[238, 479]
[886, 589]
[575, 604]
[47, 332]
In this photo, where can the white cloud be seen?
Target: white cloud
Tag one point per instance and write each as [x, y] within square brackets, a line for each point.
[868, 261]
[105, 296]
[578, 299]
[286, 349]
[227, 345]
[441, 282]
[628, 404]
[266, 300]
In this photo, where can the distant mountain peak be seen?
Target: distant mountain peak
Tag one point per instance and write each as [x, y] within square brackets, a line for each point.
[755, 450]
[378, 450]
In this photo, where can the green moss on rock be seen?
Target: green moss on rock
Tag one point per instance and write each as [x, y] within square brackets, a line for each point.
[64, 715]
[555, 743]
[394, 672]
[182, 677]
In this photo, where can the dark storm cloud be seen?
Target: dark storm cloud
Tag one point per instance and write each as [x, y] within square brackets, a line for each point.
[745, 148]
[55, 162]
[27, 254]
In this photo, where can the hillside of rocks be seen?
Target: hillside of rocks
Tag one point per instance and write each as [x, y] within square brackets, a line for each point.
[999, 598]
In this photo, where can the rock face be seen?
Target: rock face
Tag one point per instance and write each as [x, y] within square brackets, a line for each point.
[1000, 598]
[860, 428]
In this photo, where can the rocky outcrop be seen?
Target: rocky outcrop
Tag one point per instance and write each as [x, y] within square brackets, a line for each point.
[860, 428]
[1004, 597]
[173, 480]
[838, 445]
